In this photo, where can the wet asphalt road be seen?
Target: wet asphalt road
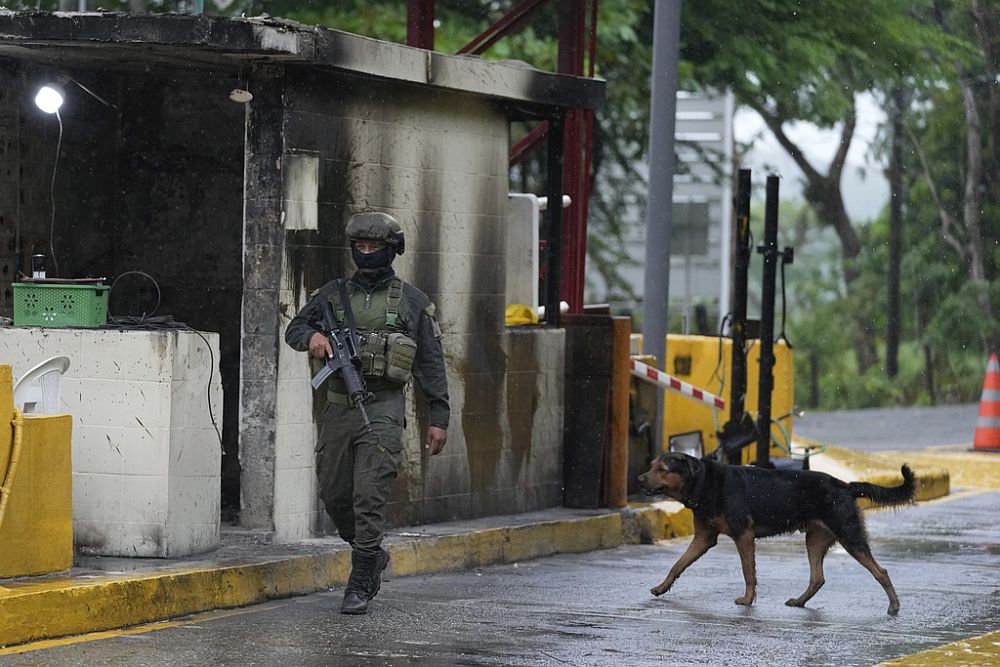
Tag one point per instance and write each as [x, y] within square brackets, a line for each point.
[879, 429]
[594, 609]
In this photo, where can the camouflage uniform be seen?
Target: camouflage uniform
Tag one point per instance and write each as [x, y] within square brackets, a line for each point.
[355, 467]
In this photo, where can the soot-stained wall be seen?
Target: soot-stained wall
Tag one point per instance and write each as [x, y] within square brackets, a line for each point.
[151, 185]
[237, 213]
[438, 162]
[75, 233]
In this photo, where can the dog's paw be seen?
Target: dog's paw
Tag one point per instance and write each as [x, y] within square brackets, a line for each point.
[893, 610]
[745, 600]
[794, 602]
[658, 590]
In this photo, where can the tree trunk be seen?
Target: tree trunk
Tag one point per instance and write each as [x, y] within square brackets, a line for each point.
[822, 191]
[987, 24]
[813, 379]
[929, 374]
[970, 247]
[892, 333]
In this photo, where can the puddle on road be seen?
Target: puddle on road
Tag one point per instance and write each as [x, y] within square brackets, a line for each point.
[923, 547]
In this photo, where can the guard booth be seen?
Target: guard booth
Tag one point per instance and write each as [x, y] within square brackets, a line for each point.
[222, 156]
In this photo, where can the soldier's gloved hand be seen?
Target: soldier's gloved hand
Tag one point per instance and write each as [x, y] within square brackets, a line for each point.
[436, 437]
[319, 346]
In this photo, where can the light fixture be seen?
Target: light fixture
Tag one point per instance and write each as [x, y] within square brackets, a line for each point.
[49, 98]
[240, 95]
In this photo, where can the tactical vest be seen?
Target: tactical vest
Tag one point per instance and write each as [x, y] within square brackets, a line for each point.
[385, 348]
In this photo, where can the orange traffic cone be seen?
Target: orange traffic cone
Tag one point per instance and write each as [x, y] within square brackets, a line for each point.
[988, 426]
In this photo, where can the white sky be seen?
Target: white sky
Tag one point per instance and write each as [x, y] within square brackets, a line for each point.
[864, 196]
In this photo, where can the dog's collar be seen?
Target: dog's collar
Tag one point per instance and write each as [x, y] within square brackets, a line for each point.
[695, 493]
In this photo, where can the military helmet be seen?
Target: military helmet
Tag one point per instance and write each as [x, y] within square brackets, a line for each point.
[376, 226]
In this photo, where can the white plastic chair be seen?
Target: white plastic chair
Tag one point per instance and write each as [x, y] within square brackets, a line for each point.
[37, 391]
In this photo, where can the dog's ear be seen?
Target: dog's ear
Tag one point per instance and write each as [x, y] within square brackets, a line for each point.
[693, 467]
[682, 464]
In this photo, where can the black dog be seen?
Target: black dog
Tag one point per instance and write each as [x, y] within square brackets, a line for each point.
[746, 503]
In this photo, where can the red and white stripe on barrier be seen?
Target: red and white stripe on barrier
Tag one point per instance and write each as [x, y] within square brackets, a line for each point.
[655, 376]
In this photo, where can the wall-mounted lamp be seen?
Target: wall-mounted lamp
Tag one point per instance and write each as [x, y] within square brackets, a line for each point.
[50, 97]
[240, 95]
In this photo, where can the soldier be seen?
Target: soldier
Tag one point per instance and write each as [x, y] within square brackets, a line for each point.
[398, 337]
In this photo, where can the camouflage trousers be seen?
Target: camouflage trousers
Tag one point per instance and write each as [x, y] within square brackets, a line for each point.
[356, 468]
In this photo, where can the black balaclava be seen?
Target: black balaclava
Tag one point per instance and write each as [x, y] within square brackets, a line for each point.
[375, 267]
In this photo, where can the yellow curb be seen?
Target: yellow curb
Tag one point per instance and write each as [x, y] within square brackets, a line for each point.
[968, 469]
[663, 521]
[933, 478]
[505, 545]
[982, 650]
[31, 611]
[51, 609]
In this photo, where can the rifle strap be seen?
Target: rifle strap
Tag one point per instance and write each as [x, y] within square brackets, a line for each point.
[345, 303]
[392, 300]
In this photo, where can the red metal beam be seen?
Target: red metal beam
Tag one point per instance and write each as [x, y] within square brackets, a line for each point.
[530, 140]
[510, 22]
[577, 44]
[573, 44]
[420, 24]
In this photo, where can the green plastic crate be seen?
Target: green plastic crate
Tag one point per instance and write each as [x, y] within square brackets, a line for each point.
[57, 305]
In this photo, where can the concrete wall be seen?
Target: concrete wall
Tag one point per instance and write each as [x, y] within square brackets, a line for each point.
[28, 143]
[154, 185]
[237, 213]
[146, 457]
[438, 162]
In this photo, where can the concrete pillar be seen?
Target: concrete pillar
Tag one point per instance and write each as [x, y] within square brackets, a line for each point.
[263, 246]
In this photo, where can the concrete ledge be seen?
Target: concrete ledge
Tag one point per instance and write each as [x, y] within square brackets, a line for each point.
[33, 610]
[933, 481]
[507, 544]
[982, 650]
[659, 521]
[48, 607]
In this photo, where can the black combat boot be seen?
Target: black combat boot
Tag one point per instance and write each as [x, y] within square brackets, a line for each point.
[365, 580]
[357, 594]
[381, 562]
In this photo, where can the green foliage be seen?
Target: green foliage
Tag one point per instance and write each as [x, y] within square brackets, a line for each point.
[957, 375]
[797, 61]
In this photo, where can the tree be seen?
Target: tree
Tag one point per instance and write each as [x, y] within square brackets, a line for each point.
[804, 61]
[972, 87]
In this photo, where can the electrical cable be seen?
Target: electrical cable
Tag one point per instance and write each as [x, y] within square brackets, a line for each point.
[719, 365]
[52, 193]
[17, 439]
[781, 334]
[164, 323]
[141, 273]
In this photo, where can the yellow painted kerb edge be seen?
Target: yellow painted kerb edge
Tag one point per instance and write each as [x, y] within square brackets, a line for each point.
[982, 650]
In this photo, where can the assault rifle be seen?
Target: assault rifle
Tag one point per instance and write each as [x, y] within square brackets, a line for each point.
[346, 362]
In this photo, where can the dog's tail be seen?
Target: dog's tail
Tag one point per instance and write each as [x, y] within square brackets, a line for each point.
[887, 495]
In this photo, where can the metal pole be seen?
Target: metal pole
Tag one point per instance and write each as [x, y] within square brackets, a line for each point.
[769, 249]
[739, 430]
[738, 384]
[726, 236]
[420, 24]
[553, 227]
[663, 111]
